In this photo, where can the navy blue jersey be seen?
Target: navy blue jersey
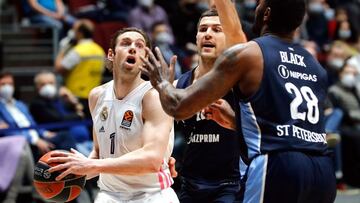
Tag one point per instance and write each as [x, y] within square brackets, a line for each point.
[286, 113]
[212, 152]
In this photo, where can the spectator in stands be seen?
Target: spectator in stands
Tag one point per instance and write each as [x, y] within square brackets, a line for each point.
[115, 10]
[19, 168]
[345, 96]
[16, 115]
[146, 14]
[316, 19]
[49, 12]
[161, 38]
[53, 105]
[346, 31]
[83, 65]
[338, 53]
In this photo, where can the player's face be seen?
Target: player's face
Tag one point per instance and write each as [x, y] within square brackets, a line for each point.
[210, 38]
[126, 57]
[259, 17]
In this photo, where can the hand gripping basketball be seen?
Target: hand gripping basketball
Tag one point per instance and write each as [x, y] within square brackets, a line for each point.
[54, 190]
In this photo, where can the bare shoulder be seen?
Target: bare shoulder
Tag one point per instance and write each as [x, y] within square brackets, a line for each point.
[94, 95]
[248, 49]
[151, 97]
[243, 63]
[152, 106]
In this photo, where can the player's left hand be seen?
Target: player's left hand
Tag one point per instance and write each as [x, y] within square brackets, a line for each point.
[221, 112]
[157, 69]
[71, 162]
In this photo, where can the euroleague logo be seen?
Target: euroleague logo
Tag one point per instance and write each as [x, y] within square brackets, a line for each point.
[285, 73]
[127, 118]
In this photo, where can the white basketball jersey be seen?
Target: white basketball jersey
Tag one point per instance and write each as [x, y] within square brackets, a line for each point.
[118, 125]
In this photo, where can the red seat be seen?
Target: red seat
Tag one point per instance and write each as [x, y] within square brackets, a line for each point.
[105, 30]
[77, 5]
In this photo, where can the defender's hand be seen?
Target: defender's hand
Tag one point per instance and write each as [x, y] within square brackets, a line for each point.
[157, 69]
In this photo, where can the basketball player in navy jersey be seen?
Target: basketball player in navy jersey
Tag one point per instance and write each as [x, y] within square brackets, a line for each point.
[210, 166]
[281, 89]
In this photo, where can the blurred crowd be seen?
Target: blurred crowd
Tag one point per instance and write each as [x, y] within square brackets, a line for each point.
[330, 32]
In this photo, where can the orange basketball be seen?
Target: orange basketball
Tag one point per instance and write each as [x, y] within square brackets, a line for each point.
[64, 190]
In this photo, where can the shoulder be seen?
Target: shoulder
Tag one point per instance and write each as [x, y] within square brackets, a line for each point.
[248, 48]
[151, 101]
[94, 95]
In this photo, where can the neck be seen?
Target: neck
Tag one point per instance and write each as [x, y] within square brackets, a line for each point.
[288, 37]
[205, 66]
[123, 86]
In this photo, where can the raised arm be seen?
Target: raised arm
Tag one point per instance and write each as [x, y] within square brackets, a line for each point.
[239, 65]
[230, 22]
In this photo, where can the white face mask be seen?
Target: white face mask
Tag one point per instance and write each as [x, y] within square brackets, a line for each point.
[7, 91]
[163, 38]
[348, 80]
[344, 34]
[316, 7]
[48, 91]
[336, 63]
[146, 3]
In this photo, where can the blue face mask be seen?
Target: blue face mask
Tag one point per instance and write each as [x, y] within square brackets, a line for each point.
[250, 4]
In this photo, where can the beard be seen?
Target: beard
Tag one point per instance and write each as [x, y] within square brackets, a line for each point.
[258, 23]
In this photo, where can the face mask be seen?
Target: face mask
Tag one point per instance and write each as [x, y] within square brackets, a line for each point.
[146, 3]
[203, 6]
[7, 91]
[329, 14]
[316, 8]
[48, 91]
[250, 4]
[348, 80]
[344, 34]
[336, 63]
[163, 38]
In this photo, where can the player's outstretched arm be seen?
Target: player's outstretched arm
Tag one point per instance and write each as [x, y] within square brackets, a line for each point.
[239, 65]
[230, 22]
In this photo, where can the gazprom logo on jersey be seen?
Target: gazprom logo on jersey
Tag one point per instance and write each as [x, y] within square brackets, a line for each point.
[285, 73]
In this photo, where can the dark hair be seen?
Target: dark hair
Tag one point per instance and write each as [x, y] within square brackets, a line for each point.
[4, 74]
[208, 13]
[129, 29]
[354, 31]
[285, 15]
[157, 23]
[86, 27]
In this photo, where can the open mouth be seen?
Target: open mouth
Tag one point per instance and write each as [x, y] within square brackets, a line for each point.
[208, 45]
[131, 60]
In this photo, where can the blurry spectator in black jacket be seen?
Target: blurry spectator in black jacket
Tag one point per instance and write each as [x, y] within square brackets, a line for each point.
[54, 104]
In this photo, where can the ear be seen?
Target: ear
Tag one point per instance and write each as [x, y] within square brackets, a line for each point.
[267, 14]
[110, 55]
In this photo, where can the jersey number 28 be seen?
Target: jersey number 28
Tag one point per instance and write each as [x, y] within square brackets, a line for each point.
[312, 114]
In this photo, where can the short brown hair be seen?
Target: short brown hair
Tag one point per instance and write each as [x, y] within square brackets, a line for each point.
[108, 64]
[129, 29]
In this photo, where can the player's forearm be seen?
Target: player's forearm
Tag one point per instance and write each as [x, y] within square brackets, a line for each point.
[230, 22]
[134, 163]
[172, 101]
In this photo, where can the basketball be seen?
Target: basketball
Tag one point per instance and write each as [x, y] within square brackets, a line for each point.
[64, 190]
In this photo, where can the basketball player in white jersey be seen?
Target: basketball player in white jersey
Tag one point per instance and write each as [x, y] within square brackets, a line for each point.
[133, 136]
